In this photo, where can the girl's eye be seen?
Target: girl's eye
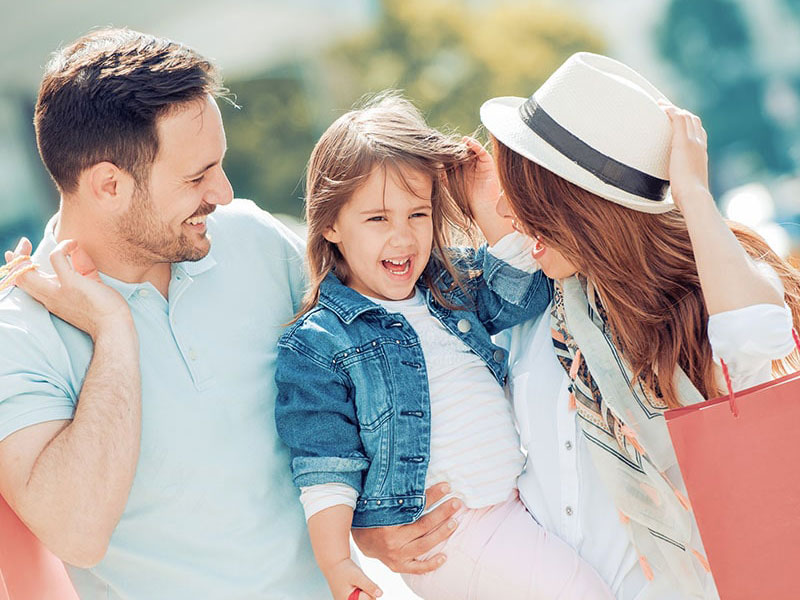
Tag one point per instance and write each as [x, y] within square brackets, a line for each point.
[420, 214]
[377, 218]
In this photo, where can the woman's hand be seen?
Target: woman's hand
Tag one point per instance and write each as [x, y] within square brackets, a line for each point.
[729, 279]
[345, 577]
[484, 193]
[75, 292]
[688, 163]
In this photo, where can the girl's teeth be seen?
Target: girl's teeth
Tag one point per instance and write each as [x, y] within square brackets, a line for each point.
[404, 266]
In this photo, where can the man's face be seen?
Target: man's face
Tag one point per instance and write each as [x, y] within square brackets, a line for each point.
[166, 222]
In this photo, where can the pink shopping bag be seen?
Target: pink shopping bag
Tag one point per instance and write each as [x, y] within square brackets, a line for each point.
[738, 457]
[28, 571]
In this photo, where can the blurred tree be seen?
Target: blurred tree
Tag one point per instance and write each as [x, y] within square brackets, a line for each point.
[447, 55]
[709, 45]
[269, 139]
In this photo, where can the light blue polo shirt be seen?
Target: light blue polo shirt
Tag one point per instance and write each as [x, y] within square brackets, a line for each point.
[213, 512]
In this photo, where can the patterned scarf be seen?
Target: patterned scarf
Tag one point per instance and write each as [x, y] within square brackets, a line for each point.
[628, 439]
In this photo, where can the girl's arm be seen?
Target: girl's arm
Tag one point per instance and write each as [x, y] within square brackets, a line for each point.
[329, 531]
[729, 278]
[484, 193]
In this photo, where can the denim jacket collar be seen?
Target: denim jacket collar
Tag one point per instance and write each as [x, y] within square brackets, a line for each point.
[344, 302]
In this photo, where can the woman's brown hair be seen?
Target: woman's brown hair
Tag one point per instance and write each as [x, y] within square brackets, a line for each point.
[386, 131]
[642, 266]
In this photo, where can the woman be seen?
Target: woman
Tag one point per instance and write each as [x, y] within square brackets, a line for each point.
[653, 290]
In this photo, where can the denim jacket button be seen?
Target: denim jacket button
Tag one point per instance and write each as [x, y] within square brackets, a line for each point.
[400, 501]
[464, 326]
[498, 355]
[378, 502]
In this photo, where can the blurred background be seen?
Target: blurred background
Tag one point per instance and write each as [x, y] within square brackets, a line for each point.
[296, 66]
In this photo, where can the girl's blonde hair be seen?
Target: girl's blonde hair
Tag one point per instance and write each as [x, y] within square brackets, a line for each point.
[643, 268]
[386, 131]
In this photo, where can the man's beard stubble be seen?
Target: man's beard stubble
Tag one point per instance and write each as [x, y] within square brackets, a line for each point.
[144, 240]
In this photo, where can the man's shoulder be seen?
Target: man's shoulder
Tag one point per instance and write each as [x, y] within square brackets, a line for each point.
[245, 217]
[18, 309]
[26, 327]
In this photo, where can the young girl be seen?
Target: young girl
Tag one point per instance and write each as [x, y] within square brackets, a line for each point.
[388, 381]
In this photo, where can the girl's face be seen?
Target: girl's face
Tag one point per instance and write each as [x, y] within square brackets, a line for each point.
[385, 232]
[554, 264]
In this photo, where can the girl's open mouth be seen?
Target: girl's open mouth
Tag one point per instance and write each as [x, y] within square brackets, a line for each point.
[398, 268]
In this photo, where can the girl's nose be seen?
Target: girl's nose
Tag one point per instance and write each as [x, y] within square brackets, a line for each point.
[402, 234]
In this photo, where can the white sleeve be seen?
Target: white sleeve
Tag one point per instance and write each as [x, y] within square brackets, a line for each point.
[515, 249]
[748, 339]
[324, 495]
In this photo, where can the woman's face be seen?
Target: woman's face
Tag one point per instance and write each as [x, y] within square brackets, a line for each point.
[554, 264]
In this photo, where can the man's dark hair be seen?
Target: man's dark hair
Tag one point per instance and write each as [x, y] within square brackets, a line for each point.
[101, 97]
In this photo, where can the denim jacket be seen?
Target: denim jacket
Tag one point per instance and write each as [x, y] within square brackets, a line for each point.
[353, 403]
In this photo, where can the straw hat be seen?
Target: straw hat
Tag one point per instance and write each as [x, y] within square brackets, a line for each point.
[594, 122]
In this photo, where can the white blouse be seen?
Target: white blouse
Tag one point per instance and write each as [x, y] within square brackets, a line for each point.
[560, 486]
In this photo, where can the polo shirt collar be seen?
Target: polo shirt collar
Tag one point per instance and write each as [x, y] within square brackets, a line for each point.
[125, 289]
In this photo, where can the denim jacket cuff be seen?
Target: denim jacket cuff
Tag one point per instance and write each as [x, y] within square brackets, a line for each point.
[313, 470]
[510, 283]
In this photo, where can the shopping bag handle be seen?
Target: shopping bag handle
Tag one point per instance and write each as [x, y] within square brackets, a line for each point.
[731, 395]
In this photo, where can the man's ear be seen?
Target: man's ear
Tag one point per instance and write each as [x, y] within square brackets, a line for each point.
[333, 236]
[109, 186]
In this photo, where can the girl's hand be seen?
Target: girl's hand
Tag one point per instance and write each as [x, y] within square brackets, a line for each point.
[75, 293]
[688, 163]
[345, 577]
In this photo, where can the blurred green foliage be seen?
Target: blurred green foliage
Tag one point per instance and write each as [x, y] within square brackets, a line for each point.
[710, 47]
[270, 137]
[446, 55]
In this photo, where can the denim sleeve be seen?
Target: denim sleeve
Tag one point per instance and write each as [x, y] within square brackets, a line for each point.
[316, 418]
[503, 295]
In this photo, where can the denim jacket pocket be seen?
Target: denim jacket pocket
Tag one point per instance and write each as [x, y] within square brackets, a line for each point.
[368, 369]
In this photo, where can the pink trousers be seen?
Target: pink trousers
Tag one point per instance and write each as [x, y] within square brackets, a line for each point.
[501, 553]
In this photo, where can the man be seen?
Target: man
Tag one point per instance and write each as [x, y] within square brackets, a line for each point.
[136, 405]
[171, 484]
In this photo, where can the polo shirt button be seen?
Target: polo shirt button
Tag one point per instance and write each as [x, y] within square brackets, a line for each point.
[192, 354]
[498, 355]
[568, 510]
[568, 445]
[464, 325]
[144, 293]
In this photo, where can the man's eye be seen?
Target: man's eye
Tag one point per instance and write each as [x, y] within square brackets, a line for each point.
[198, 180]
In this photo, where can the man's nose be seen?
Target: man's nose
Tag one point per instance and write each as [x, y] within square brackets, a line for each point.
[221, 192]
